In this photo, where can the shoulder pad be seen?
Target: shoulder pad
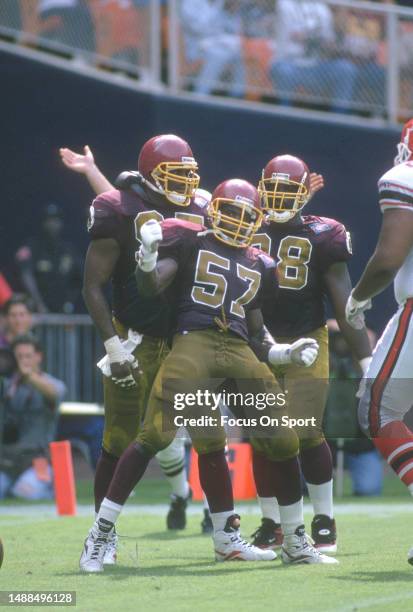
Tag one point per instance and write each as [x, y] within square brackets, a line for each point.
[106, 204]
[398, 178]
[115, 202]
[320, 225]
[177, 228]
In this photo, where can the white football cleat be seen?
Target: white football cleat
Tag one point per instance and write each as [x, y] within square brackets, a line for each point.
[111, 552]
[297, 549]
[410, 556]
[229, 546]
[94, 548]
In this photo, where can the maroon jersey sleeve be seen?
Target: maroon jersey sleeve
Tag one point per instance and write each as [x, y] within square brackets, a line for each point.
[269, 281]
[334, 244]
[104, 220]
[177, 238]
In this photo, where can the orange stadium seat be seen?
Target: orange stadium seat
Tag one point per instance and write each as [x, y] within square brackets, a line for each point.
[257, 53]
[118, 28]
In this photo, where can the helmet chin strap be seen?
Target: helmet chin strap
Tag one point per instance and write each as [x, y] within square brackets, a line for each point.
[175, 198]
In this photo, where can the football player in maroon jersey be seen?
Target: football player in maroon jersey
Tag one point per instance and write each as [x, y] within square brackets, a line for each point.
[164, 186]
[219, 283]
[312, 254]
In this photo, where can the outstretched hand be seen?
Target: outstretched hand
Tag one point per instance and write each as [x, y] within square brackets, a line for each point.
[76, 161]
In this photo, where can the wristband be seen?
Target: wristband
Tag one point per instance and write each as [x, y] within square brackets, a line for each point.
[279, 354]
[115, 350]
[146, 259]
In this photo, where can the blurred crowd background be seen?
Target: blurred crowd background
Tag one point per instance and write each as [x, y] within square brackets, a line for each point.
[347, 57]
[344, 56]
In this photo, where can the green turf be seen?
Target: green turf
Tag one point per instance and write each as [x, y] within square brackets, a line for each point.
[175, 572]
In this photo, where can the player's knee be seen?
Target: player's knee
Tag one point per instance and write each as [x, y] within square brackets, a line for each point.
[117, 440]
[153, 441]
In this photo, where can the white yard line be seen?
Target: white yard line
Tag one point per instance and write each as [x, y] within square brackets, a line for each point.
[47, 511]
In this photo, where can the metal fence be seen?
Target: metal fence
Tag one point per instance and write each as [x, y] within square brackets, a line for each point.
[72, 348]
[346, 56]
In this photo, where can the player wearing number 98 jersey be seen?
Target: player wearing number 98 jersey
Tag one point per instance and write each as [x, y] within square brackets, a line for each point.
[312, 254]
[220, 283]
[164, 186]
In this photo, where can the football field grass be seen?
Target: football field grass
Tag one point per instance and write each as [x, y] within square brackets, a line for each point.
[171, 571]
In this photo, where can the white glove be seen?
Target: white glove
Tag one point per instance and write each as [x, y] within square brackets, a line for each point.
[302, 352]
[118, 354]
[151, 235]
[115, 350]
[355, 312]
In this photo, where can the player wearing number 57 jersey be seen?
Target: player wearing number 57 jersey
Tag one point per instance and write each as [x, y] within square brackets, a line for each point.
[311, 254]
[220, 283]
[388, 391]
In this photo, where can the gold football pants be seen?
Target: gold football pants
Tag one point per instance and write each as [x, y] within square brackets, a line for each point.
[201, 361]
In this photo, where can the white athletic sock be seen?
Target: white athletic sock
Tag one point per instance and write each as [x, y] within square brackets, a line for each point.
[109, 511]
[291, 517]
[219, 519]
[172, 462]
[322, 498]
[179, 484]
[269, 508]
[205, 502]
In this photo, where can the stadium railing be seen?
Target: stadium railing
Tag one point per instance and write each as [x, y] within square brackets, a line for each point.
[357, 56]
[72, 348]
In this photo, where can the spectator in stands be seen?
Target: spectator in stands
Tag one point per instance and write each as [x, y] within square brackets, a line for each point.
[50, 267]
[258, 19]
[18, 319]
[30, 409]
[67, 22]
[306, 55]
[213, 33]
[361, 39]
[361, 458]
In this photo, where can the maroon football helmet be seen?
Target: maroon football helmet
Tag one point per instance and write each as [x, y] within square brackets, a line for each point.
[167, 164]
[405, 146]
[235, 212]
[284, 187]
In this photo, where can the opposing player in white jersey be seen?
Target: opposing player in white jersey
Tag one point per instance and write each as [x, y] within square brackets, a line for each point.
[388, 393]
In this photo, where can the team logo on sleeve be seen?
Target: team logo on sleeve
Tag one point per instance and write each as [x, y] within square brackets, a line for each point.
[318, 228]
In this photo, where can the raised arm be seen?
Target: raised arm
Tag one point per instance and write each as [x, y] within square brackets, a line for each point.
[85, 164]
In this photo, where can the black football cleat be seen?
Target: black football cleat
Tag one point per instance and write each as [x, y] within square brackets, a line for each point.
[176, 517]
[324, 533]
[206, 523]
[268, 535]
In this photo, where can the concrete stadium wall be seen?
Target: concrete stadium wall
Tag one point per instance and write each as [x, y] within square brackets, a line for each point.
[44, 108]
